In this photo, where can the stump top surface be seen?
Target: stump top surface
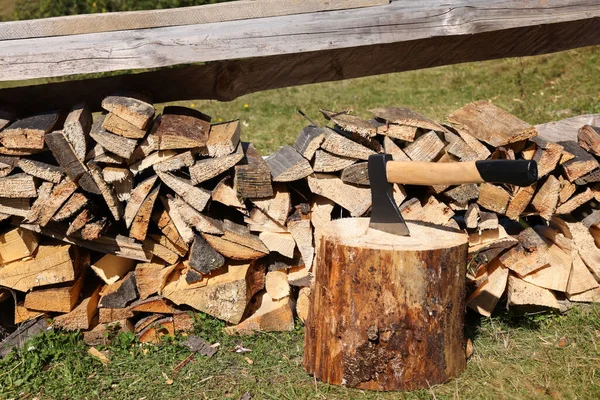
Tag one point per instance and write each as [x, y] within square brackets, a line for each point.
[355, 232]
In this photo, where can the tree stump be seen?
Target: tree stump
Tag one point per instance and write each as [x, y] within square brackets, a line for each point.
[387, 312]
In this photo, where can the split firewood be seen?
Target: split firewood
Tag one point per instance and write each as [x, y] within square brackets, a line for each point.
[44, 192]
[117, 125]
[22, 314]
[145, 322]
[166, 242]
[392, 148]
[350, 123]
[79, 222]
[168, 228]
[193, 218]
[232, 249]
[121, 180]
[51, 264]
[282, 243]
[8, 164]
[529, 255]
[529, 151]
[258, 221]
[7, 115]
[16, 244]
[154, 305]
[520, 200]
[194, 196]
[99, 154]
[433, 211]
[278, 206]
[491, 124]
[103, 334]
[224, 193]
[481, 255]
[22, 334]
[223, 139]
[546, 198]
[425, 148]
[303, 303]
[203, 258]
[405, 116]
[576, 201]
[487, 236]
[149, 278]
[131, 109]
[160, 251]
[487, 220]
[547, 155]
[111, 268]
[309, 141]
[241, 281]
[167, 326]
[38, 169]
[113, 203]
[119, 294]
[60, 194]
[119, 145]
[61, 298]
[554, 275]
[138, 195]
[75, 204]
[276, 285]
[28, 133]
[151, 160]
[139, 227]
[77, 129]
[209, 168]
[342, 146]
[521, 293]
[18, 186]
[355, 199]
[357, 174]
[303, 236]
[395, 131]
[253, 178]
[176, 162]
[582, 163]
[588, 138]
[181, 227]
[472, 216]
[299, 276]
[590, 177]
[108, 315]
[484, 299]
[583, 242]
[270, 316]
[241, 235]
[181, 128]
[493, 198]
[462, 194]
[287, 165]
[589, 296]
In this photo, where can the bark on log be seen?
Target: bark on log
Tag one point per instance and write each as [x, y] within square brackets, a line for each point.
[387, 312]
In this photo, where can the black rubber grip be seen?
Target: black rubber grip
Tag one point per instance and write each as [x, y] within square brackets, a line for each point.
[515, 172]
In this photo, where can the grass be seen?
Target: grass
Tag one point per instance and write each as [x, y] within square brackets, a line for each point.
[6, 8]
[542, 356]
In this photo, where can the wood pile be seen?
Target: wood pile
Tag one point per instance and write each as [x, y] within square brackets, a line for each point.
[131, 218]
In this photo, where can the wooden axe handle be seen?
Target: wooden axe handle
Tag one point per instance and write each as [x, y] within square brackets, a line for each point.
[517, 172]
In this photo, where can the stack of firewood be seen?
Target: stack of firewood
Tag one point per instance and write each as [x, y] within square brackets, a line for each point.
[134, 219]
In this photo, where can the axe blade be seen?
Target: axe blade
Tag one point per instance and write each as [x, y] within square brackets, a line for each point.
[385, 215]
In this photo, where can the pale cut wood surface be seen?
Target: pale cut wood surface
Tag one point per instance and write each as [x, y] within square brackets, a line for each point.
[400, 21]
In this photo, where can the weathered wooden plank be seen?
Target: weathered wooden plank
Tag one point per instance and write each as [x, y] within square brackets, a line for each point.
[400, 21]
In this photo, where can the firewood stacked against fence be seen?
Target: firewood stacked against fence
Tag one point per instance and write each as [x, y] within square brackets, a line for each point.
[152, 216]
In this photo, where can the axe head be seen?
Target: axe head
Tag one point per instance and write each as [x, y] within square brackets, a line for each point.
[385, 215]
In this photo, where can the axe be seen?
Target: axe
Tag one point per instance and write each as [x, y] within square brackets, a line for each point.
[383, 172]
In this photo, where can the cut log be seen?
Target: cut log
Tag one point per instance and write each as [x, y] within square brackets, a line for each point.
[16, 244]
[287, 165]
[151, 160]
[491, 124]
[575, 202]
[405, 116]
[51, 264]
[194, 196]
[426, 148]
[168, 228]
[75, 203]
[224, 193]
[131, 109]
[350, 123]
[160, 251]
[588, 138]
[253, 179]
[119, 294]
[529, 255]
[61, 298]
[546, 198]
[18, 186]
[139, 227]
[521, 293]
[38, 169]
[520, 201]
[223, 294]
[177, 162]
[582, 163]
[117, 125]
[354, 199]
[77, 129]
[342, 146]
[282, 243]
[119, 145]
[270, 316]
[210, 168]
[547, 155]
[309, 141]
[224, 138]
[472, 216]
[203, 258]
[28, 133]
[82, 317]
[484, 299]
[113, 203]
[303, 304]
[369, 336]
[181, 128]
[60, 194]
[276, 285]
[493, 198]
[111, 268]
[138, 195]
